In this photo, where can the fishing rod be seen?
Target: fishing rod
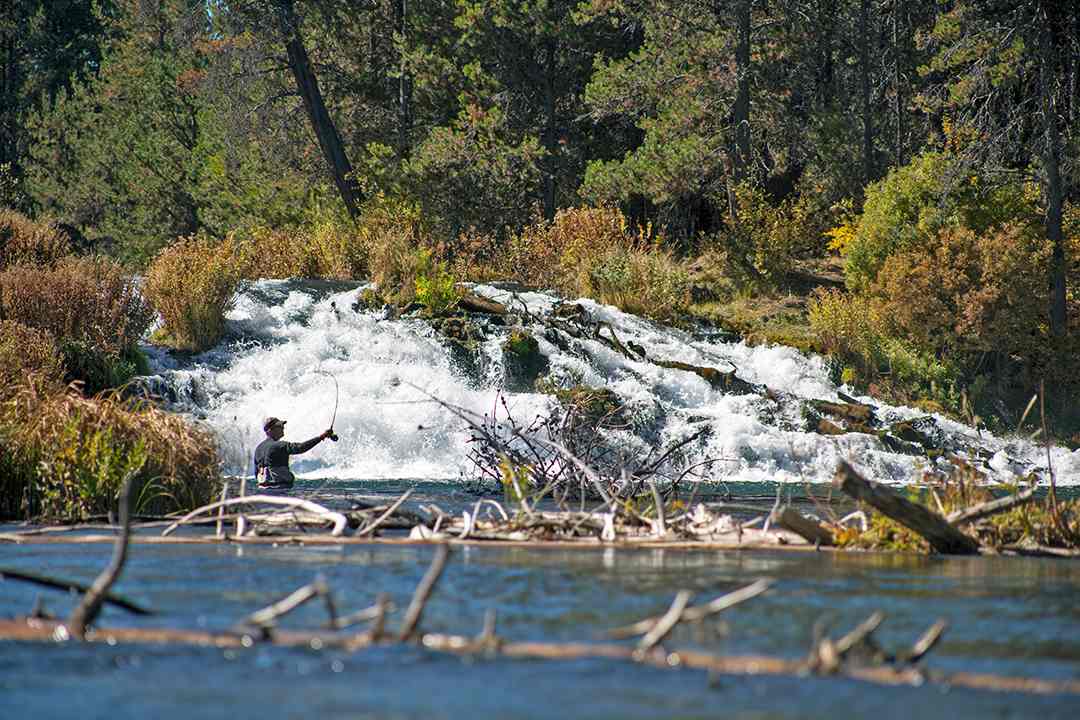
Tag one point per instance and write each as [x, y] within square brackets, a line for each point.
[337, 395]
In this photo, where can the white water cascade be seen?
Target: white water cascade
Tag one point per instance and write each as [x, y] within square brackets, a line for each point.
[284, 336]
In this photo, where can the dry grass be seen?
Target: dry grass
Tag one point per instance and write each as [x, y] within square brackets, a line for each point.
[192, 284]
[25, 242]
[89, 300]
[26, 352]
[64, 456]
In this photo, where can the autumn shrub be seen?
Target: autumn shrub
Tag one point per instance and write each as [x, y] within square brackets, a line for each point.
[65, 456]
[760, 246]
[192, 284]
[25, 242]
[964, 293]
[25, 352]
[328, 248]
[561, 254]
[851, 330]
[914, 203]
[644, 281]
[93, 310]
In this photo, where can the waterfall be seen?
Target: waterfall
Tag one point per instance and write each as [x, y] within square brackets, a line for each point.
[283, 336]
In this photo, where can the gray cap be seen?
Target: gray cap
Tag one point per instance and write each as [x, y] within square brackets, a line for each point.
[270, 421]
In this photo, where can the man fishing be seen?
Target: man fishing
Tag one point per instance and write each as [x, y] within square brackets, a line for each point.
[272, 455]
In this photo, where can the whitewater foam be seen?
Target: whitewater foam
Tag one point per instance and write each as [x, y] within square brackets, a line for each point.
[283, 336]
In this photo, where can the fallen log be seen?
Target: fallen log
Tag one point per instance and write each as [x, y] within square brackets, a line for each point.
[991, 507]
[943, 537]
[808, 528]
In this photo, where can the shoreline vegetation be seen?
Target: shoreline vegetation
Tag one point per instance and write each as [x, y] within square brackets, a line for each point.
[896, 191]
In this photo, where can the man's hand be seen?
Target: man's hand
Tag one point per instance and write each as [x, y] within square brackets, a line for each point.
[330, 434]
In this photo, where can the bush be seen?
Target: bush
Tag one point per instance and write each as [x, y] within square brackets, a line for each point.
[645, 282]
[89, 306]
[27, 352]
[965, 293]
[192, 284]
[562, 253]
[851, 330]
[25, 242]
[914, 203]
[64, 456]
[435, 287]
[759, 249]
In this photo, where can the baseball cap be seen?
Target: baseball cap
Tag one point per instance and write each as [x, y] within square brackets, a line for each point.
[270, 421]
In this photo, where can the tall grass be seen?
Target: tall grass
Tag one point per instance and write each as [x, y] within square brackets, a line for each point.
[25, 352]
[25, 242]
[192, 284]
[64, 456]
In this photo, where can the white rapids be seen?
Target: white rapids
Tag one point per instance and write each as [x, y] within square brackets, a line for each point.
[285, 335]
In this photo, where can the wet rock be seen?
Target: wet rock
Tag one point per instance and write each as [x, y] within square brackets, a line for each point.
[523, 362]
[919, 436]
[856, 416]
[571, 311]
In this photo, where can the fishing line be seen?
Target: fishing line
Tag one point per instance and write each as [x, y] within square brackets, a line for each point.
[337, 396]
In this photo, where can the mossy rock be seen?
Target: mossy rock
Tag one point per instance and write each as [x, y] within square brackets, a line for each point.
[593, 404]
[523, 362]
[369, 299]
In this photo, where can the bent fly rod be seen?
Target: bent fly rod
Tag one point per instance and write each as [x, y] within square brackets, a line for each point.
[337, 395]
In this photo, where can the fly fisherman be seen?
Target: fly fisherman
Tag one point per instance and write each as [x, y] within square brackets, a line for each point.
[272, 455]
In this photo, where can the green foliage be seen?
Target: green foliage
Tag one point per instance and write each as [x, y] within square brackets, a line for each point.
[466, 170]
[851, 330]
[760, 246]
[192, 284]
[916, 202]
[98, 370]
[435, 286]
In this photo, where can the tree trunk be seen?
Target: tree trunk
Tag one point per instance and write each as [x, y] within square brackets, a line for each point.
[1052, 171]
[864, 72]
[549, 133]
[327, 134]
[405, 85]
[898, 90]
[741, 114]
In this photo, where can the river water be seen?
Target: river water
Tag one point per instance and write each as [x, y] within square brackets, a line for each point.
[1008, 616]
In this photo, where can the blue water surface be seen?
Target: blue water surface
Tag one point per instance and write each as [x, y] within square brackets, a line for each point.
[1010, 616]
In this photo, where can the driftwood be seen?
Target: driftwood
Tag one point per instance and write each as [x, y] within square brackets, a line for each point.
[943, 537]
[696, 613]
[72, 585]
[992, 507]
[339, 521]
[806, 527]
[86, 612]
